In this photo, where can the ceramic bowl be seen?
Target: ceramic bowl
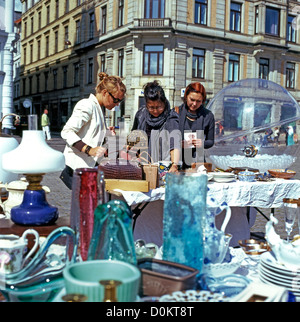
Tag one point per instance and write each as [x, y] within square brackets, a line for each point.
[282, 173]
[247, 176]
[254, 247]
[84, 278]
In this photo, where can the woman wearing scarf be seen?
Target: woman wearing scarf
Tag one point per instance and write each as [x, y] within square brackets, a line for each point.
[160, 124]
[193, 117]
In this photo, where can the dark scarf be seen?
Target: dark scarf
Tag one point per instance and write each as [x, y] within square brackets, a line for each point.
[198, 117]
[157, 122]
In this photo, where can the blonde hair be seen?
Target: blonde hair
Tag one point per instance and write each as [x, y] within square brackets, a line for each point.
[112, 84]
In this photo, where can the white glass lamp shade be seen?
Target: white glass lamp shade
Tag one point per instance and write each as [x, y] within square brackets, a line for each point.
[7, 144]
[33, 156]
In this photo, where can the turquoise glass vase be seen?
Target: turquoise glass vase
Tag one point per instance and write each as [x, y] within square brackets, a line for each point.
[185, 218]
[112, 237]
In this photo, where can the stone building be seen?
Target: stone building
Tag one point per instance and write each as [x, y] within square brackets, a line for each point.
[65, 44]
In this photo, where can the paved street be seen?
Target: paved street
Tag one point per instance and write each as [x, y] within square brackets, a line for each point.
[60, 196]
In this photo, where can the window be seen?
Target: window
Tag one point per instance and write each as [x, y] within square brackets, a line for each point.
[56, 41]
[39, 49]
[76, 74]
[103, 21]
[198, 63]
[46, 75]
[272, 21]
[67, 6]
[67, 37]
[234, 68]
[65, 76]
[121, 63]
[102, 64]
[54, 78]
[291, 32]
[47, 46]
[263, 68]
[92, 26]
[77, 39]
[201, 12]
[290, 75]
[57, 9]
[235, 16]
[256, 19]
[90, 70]
[154, 9]
[153, 59]
[121, 13]
[48, 15]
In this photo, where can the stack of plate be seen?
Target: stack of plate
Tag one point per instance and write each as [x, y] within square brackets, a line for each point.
[271, 272]
[224, 176]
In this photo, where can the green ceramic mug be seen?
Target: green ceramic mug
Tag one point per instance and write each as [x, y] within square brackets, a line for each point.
[84, 277]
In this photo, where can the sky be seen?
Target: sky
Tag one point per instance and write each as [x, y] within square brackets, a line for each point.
[18, 5]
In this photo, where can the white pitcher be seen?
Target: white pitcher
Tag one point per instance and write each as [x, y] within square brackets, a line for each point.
[12, 249]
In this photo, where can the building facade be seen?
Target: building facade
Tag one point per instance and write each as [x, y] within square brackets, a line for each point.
[66, 43]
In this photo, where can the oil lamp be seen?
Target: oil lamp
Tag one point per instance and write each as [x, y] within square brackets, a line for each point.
[33, 158]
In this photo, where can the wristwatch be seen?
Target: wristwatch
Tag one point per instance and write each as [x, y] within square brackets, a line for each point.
[87, 150]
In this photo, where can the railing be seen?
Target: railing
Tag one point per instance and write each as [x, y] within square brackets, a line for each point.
[152, 23]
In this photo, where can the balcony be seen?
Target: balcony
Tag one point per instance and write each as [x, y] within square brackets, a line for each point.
[152, 23]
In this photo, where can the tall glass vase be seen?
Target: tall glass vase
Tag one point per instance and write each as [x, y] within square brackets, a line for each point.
[88, 191]
[185, 218]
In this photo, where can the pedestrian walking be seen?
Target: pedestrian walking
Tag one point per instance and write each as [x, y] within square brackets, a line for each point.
[45, 122]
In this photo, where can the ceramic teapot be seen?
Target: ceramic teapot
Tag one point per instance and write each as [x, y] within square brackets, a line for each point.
[216, 241]
[12, 249]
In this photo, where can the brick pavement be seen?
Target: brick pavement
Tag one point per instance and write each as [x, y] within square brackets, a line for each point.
[60, 196]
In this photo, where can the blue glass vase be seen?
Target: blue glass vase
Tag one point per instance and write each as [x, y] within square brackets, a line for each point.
[184, 218]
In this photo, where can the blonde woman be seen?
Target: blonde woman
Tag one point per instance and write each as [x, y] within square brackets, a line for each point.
[86, 129]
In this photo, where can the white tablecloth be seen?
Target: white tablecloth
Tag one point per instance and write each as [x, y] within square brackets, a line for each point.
[238, 196]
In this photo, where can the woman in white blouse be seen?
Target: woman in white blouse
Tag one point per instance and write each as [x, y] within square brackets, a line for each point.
[86, 129]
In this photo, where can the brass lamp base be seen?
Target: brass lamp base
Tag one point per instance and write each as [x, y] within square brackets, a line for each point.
[34, 181]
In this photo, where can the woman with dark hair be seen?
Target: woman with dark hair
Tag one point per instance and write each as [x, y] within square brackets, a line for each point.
[193, 117]
[160, 124]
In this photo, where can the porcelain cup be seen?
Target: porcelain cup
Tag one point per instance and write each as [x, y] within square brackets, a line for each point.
[12, 250]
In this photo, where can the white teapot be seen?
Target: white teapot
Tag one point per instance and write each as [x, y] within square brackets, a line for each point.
[285, 252]
[12, 249]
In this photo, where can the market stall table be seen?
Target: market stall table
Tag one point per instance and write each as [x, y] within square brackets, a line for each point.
[240, 196]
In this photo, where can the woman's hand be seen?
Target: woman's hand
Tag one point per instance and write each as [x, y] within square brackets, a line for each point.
[174, 168]
[198, 143]
[97, 152]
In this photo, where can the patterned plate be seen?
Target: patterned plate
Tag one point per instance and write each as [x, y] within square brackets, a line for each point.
[194, 296]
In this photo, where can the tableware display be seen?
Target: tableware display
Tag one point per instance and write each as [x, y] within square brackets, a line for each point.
[226, 267]
[184, 218]
[84, 278]
[216, 241]
[12, 250]
[224, 177]
[230, 284]
[282, 173]
[41, 279]
[112, 237]
[291, 211]
[286, 253]
[161, 277]
[273, 272]
[247, 176]
[194, 296]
